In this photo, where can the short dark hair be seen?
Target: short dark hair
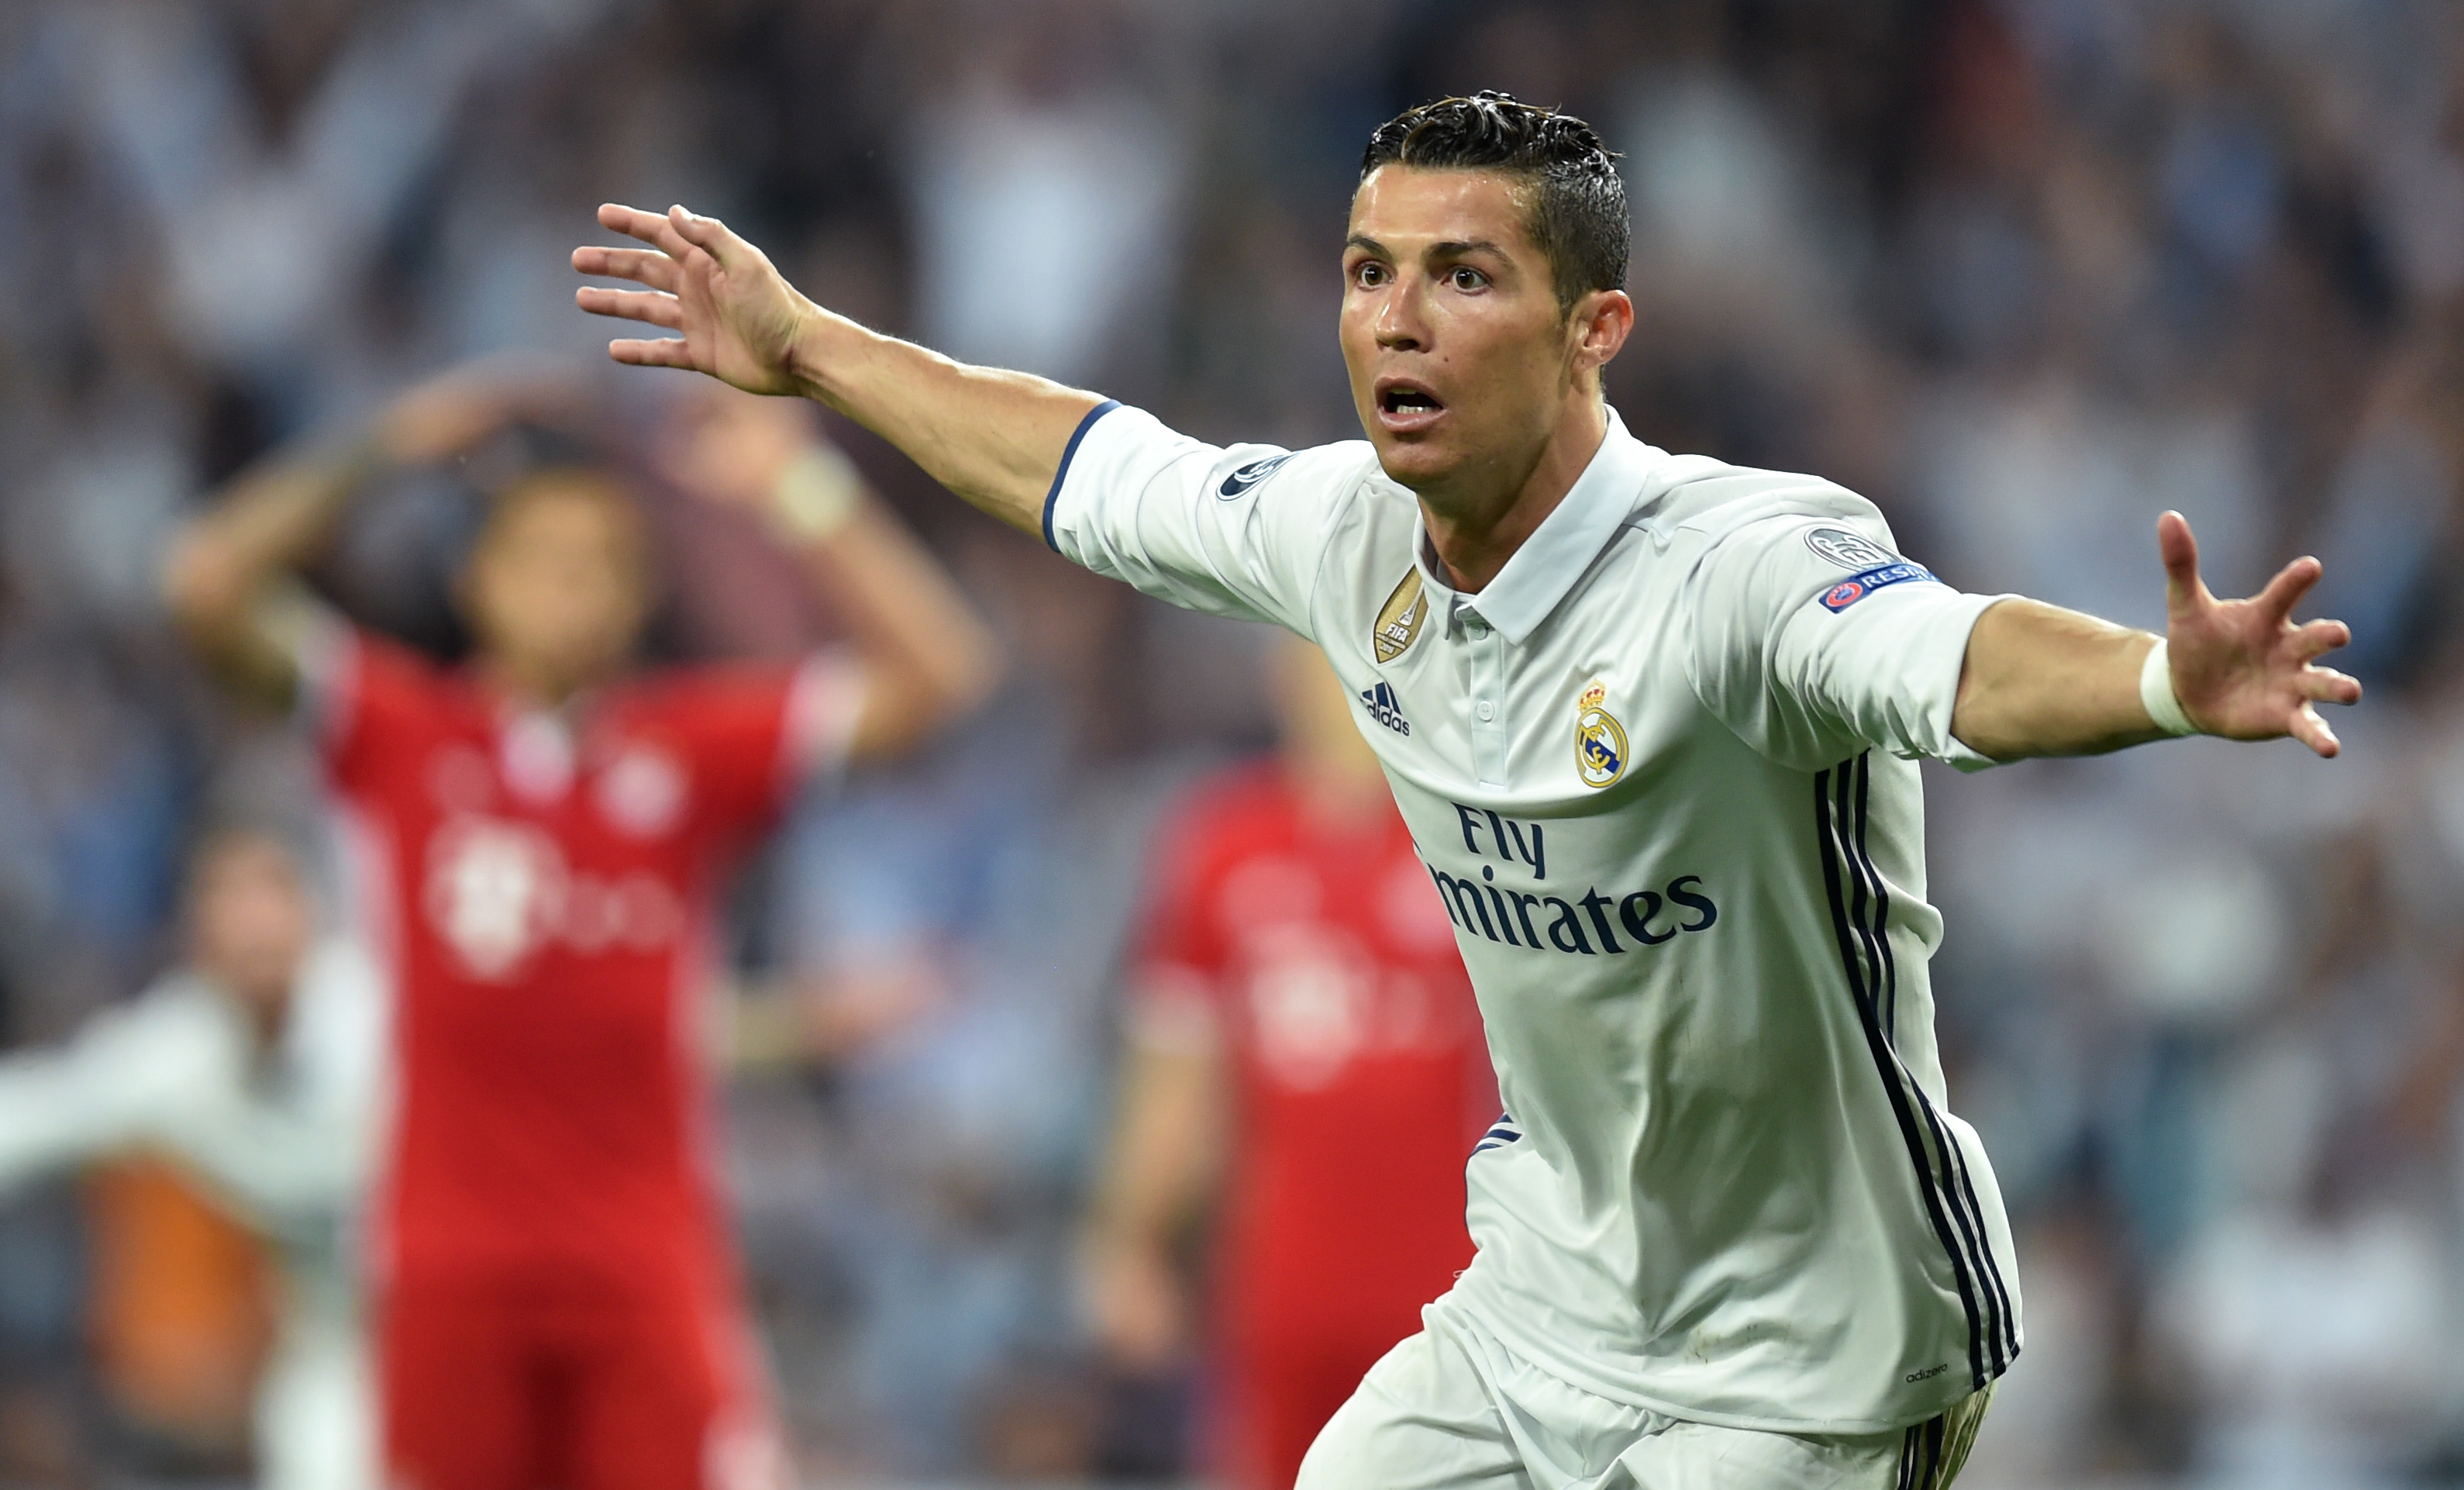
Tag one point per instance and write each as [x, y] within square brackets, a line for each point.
[1577, 211]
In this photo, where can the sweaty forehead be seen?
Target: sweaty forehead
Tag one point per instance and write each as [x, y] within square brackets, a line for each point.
[1408, 208]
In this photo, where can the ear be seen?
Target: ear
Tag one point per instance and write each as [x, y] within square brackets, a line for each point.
[1596, 329]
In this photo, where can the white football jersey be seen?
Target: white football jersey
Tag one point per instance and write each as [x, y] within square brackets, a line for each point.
[1662, 771]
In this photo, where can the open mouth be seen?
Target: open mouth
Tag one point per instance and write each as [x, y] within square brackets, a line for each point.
[1403, 405]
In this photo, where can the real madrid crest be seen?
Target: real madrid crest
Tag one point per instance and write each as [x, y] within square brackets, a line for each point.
[1599, 740]
[1399, 624]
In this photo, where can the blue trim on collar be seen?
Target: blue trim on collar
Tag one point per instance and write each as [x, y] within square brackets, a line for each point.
[1067, 452]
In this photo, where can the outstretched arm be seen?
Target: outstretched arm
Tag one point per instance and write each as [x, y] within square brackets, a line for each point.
[995, 438]
[2042, 681]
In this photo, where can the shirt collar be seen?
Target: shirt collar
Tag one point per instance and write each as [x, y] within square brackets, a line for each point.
[1537, 576]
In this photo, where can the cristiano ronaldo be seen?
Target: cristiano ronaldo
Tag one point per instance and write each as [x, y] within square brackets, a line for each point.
[1653, 721]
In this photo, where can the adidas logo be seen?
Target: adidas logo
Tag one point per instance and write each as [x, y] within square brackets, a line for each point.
[1385, 708]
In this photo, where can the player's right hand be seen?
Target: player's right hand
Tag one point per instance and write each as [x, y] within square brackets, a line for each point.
[1141, 1312]
[737, 315]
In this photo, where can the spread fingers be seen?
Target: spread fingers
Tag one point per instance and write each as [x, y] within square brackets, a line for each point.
[642, 266]
[658, 309]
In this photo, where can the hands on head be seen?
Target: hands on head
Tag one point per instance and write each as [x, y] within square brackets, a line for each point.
[446, 414]
[737, 316]
[710, 441]
[2243, 669]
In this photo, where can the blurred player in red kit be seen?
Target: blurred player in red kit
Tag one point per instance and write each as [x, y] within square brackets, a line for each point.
[540, 831]
[1305, 1060]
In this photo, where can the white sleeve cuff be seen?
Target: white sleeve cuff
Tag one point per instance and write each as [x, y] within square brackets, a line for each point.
[325, 654]
[1061, 476]
[824, 704]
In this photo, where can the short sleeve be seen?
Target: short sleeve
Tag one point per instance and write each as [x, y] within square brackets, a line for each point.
[365, 699]
[1236, 531]
[753, 737]
[1815, 640]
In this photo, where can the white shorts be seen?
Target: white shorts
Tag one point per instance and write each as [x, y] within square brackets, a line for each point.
[1450, 1409]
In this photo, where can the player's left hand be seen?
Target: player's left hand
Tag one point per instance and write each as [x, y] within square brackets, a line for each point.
[2242, 668]
[731, 447]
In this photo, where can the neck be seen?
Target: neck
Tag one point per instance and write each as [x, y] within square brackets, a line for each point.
[266, 1019]
[264, 1009]
[527, 686]
[1475, 535]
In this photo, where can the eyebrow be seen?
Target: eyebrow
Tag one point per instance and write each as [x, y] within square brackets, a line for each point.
[1450, 248]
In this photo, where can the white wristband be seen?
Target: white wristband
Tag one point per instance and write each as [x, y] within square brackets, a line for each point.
[814, 495]
[2156, 692]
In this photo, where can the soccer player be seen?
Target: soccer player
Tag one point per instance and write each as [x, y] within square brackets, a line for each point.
[1304, 1061]
[1663, 714]
[255, 1069]
[556, 1299]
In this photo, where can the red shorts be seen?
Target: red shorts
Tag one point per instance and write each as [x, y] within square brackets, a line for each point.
[556, 1383]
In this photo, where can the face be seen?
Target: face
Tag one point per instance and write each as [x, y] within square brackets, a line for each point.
[556, 588]
[1462, 362]
[249, 918]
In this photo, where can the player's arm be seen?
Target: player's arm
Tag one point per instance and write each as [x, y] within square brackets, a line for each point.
[925, 656]
[995, 438]
[100, 1094]
[2041, 681]
[224, 580]
[928, 658]
[1160, 1170]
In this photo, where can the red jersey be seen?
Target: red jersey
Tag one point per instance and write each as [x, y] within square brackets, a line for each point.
[1319, 956]
[542, 893]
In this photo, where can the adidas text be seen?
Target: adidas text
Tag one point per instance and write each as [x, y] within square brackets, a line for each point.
[1385, 708]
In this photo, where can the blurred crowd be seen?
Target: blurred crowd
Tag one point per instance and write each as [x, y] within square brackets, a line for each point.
[2025, 272]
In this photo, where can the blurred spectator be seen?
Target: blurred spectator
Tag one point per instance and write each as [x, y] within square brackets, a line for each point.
[1045, 180]
[254, 1070]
